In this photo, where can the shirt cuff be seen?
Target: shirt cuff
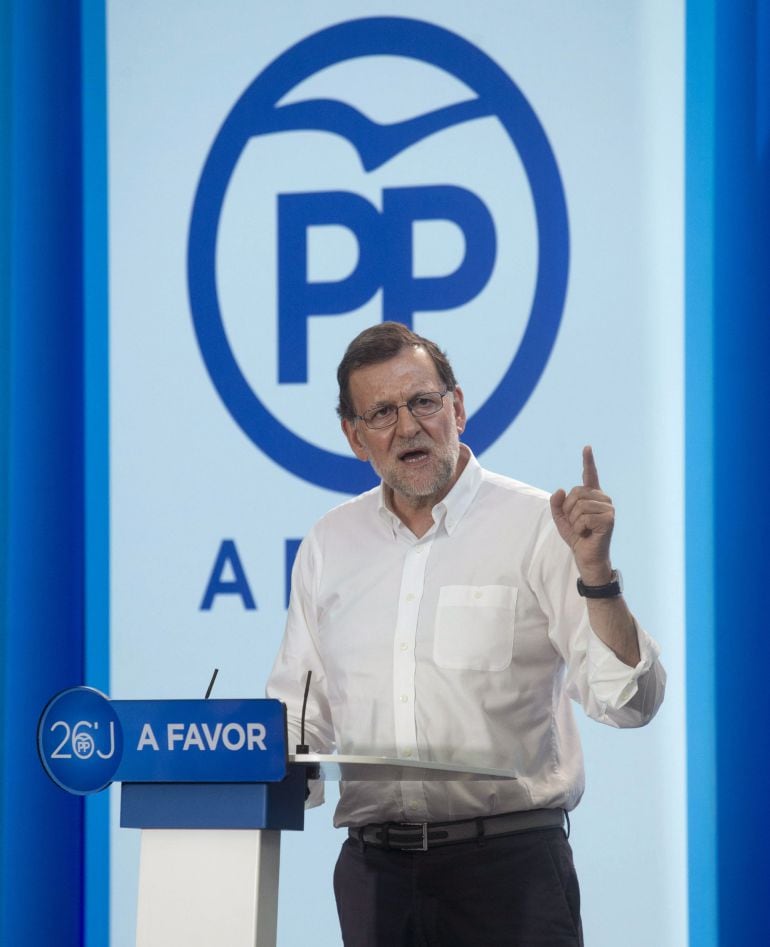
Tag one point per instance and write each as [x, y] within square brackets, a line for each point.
[612, 682]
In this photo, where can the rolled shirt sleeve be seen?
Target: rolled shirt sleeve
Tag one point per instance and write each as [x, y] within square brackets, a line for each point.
[609, 690]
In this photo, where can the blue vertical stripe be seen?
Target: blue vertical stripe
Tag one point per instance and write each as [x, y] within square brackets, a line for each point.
[728, 410]
[42, 860]
[741, 423]
[5, 342]
[97, 605]
[699, 486]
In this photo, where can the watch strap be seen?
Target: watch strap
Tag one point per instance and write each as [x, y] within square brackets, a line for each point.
[611, 590]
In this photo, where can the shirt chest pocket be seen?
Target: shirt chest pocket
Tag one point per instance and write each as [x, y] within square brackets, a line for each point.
[474, 627]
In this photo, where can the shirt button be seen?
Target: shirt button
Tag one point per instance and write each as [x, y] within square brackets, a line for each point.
[410, 597]
[407, 753]
[414, 804]
[477, 594]
[404, 646]
[418, 550]
[404, 698]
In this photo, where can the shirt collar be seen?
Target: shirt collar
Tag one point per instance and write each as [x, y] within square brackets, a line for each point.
[454, 505]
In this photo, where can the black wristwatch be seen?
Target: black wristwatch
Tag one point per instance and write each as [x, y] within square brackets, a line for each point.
[611, 590]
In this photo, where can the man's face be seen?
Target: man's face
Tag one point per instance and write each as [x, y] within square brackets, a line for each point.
[415, 457]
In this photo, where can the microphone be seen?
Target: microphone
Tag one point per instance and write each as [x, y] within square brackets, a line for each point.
[211, 683]
[312, 771]
[302, 747]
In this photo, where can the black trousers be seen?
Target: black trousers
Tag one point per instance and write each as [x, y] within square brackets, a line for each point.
[517, 891]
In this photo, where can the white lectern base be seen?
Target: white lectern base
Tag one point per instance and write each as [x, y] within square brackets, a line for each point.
[199, 887]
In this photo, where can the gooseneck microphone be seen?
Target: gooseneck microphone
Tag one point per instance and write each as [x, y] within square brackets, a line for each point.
[211, 683]
[312, 771]
[302, 747]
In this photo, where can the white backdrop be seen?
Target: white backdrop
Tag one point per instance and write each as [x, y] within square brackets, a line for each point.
[605, 81]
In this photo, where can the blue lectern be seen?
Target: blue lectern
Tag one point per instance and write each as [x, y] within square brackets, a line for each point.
[211, 786]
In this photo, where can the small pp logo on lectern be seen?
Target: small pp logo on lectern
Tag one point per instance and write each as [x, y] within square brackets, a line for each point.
[80, 740]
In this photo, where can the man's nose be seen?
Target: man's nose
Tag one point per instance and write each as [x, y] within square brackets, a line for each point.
[406, 424]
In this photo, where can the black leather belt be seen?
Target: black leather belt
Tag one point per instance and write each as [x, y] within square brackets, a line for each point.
[420, 836]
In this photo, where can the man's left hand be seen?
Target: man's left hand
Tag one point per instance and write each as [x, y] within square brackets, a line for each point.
[585, 518]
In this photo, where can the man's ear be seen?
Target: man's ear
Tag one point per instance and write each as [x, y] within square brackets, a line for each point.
[350, 429]
[459, 409]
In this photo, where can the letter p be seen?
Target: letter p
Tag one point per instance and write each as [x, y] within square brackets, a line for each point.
[403, 292]
[297, 297]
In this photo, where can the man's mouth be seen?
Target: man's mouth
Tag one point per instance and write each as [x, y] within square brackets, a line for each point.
[413, 456]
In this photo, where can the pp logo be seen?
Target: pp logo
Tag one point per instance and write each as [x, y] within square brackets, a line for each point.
[381, 201]
[80, 740]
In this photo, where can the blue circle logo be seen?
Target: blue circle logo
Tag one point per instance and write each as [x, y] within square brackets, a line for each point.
[80, 740]
[258, 113]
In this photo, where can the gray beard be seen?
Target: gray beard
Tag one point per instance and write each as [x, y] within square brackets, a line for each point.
[409, 489]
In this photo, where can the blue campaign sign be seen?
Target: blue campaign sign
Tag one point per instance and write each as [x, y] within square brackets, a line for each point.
[86, 741]
[181, 741]
[80, 740]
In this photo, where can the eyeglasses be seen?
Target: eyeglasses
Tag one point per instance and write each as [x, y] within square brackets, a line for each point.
[421, 406]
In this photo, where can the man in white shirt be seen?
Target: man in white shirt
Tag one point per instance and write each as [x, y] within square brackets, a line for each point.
[450, 615]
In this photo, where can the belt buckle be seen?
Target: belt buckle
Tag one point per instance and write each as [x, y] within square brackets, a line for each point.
[422, 845]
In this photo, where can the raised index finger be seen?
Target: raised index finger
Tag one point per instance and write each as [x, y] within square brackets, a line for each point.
[590, 473]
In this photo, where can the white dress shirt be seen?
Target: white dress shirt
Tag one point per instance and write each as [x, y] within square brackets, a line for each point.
[463, 646]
